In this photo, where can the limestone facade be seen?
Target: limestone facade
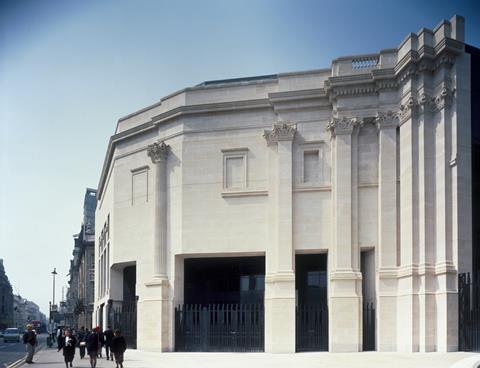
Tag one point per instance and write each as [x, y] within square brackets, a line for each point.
[373, 153]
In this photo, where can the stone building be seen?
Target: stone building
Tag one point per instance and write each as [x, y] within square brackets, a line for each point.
[245, 202]
[79, 301]
[6, 299]
[25, 311]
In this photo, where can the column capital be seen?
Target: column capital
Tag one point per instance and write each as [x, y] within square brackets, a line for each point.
[387, 119]
[426, 103]
[408, 110]
[444, 98]
[280, 132]
[343, 125]
[158, 151]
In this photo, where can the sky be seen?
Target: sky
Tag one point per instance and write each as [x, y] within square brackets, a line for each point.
[70, 69]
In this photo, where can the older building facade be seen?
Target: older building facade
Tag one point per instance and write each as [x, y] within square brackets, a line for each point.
[345, 190]
[6, 299]
[80, 294]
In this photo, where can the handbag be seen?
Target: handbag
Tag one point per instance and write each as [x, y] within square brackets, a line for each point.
[83, 343]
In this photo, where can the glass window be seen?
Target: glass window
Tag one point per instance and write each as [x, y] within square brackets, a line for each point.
[313, 279]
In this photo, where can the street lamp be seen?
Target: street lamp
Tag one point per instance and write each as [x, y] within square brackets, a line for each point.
[54, 273]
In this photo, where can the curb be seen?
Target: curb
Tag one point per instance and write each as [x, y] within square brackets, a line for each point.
[21, 361]
[471, 362]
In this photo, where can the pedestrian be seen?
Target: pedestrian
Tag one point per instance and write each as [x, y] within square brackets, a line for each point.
[101, 338]
[108, 335]
[30, 341]
[60, 335]
[68, 344]
[93, 343]
[82, 338]
[118, 347]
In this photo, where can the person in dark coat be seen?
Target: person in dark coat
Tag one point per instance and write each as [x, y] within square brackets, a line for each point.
[101, 338]
[60, 335]
[68, 343]
[30, 341]
[108, 334]
[93, 342]
[82, 338]
[118, 347]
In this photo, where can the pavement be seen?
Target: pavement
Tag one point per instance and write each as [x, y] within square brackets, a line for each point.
[139, 359]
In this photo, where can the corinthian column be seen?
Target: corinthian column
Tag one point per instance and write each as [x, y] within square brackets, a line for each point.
[345, 277]
[158, 152]
[158, 300]
[280, 276]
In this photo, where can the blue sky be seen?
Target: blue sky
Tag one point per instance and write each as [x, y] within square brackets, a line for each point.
[70, 69]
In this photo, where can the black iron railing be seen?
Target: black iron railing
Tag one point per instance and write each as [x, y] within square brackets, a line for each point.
[368, 326]
[312, 327]
[124, 317]
[468, 313]
[219, 327]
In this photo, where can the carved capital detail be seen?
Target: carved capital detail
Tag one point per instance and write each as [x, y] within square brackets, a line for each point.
[408, 110]
[280, 132]
[158, 151]
[426, 103]
[444, 98]
[342, 125]
[387, 119]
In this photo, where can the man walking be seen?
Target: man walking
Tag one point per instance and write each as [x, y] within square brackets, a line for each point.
[30, 341]
[118, 347]
[108, 334]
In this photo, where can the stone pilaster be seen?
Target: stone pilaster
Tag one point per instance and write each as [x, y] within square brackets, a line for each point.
[386, 282]
[156, 305]
[345, 322]
[407, 300]
[280, 275]
[426, 223]
[445, 269]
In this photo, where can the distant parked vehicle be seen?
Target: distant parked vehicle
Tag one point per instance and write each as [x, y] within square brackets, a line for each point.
[11, 334]
[1, 334]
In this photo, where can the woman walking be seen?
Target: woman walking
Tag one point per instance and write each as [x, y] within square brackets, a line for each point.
[68, 344]
[118, 347]
[93, 342]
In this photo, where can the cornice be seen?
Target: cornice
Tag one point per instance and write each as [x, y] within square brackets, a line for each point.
[304, 94]
[114, 139]
[211, 107]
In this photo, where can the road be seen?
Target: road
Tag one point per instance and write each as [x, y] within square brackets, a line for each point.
[12, 351]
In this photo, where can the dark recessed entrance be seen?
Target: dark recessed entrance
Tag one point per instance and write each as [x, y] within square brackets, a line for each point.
[123, 314]
[312, 311]
[223, 309]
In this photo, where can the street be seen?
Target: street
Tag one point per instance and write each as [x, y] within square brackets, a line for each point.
[12, 351]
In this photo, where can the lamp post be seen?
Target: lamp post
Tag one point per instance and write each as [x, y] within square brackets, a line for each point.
[54, 273]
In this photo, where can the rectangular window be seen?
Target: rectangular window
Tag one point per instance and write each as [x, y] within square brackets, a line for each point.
[140, 185]
[235, 172]
[235, 168]
[311, 166]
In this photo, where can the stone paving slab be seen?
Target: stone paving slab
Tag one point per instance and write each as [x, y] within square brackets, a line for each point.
[140, 359]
